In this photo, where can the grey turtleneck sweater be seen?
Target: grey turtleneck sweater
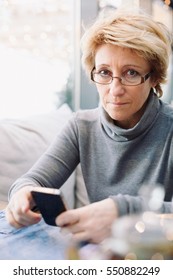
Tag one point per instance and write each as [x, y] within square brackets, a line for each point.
[115, 162]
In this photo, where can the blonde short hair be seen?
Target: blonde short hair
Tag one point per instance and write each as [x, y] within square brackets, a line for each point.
[136, 31]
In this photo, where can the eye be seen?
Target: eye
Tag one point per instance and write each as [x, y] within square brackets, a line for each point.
[104, 73]
[131, 73]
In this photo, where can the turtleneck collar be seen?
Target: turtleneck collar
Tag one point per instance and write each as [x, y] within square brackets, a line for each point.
[120, 134]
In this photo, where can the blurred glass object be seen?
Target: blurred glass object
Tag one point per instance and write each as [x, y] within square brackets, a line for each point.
[147, 236]
[153, 196]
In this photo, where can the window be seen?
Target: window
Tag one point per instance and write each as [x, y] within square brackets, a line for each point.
[36, 55]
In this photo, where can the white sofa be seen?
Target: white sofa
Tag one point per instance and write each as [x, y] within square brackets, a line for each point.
[22, 141]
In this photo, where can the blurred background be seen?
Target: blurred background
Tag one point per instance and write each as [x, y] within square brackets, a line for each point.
[40, 52]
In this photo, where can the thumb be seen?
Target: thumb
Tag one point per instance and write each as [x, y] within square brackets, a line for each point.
[26, 204]
[67, 218]
[25, 207]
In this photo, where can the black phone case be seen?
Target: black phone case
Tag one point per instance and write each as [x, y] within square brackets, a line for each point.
[49, 205]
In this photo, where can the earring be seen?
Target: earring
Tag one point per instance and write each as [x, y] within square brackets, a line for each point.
[154, 91]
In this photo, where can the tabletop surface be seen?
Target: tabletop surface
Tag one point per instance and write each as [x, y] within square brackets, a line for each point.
[39, 241]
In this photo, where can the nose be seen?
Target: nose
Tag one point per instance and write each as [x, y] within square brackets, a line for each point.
[116, 88]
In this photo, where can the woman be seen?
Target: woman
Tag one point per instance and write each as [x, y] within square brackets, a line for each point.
[123, 144]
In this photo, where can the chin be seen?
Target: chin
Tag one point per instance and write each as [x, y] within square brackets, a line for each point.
[114, 117]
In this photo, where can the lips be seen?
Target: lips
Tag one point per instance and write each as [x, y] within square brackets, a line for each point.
[117, 103]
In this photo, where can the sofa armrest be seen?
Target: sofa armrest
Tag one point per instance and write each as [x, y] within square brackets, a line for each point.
[24, 140]
[81, 196]
[3, 204]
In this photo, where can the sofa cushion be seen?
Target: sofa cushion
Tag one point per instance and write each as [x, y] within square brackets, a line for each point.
[81, 196]
[22, 141]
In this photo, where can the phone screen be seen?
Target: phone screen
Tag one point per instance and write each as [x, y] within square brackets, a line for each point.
[49, 202]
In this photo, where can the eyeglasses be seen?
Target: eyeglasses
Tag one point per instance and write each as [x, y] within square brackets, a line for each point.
[128, 78]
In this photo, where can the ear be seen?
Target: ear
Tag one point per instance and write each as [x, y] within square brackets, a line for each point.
[154, 83]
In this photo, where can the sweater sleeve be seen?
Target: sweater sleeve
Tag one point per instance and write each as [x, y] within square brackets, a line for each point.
[127, 204]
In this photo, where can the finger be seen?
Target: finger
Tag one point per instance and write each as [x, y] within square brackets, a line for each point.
[29, 218]
[81, 236]
[26, 221]
[67, 218]
[19, 219]
[86, 237]
[10, 218]
[76, 227]
[82, 233]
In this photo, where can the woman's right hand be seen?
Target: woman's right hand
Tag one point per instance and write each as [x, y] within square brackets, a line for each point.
[18, 211]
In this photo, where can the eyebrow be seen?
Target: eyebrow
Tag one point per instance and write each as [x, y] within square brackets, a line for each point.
[126, 65]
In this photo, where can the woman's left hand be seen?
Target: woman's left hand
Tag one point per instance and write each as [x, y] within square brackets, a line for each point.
[90, 223]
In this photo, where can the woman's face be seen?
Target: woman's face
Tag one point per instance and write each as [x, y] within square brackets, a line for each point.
[124, 104]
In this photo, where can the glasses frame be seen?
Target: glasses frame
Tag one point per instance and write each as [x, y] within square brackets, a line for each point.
[143, 79]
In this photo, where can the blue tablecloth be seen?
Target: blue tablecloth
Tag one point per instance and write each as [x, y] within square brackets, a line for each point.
[36, 242]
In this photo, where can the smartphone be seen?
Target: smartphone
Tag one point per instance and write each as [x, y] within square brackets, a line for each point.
[49, 202]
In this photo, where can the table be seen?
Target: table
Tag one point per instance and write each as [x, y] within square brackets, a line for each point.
[36, 242]
[42, 242]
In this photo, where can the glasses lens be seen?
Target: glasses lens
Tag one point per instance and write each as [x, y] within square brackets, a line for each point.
[102, 79]
[128, 79]
[131, 79]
